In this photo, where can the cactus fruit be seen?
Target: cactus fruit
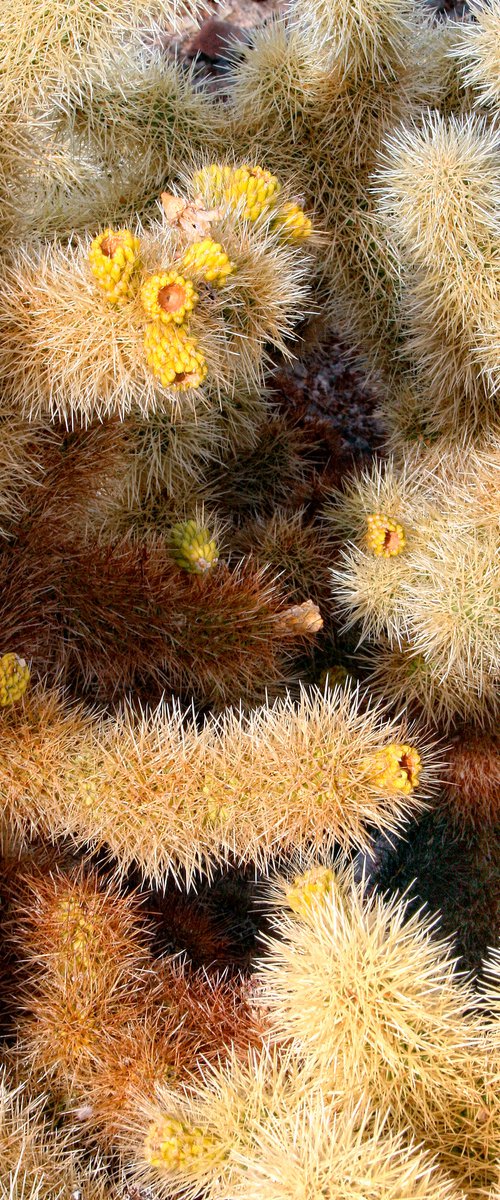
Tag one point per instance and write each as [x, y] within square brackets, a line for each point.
[14, 678]
[384, 536]
[173, 356]
[293, 222]
[192, 547]
[168, 298]
[251, 190]
[113, 258]
[208, 260]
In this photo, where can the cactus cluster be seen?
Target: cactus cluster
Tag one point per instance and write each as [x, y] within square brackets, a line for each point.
[242, 650]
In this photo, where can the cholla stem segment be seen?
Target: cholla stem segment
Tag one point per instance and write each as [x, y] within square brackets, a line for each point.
[384, 537]
[168, 298]
[173, 356]
[113, 258]
[230, 185]
[14, 678]
[397, 768]
[208, 259]
[192, 547]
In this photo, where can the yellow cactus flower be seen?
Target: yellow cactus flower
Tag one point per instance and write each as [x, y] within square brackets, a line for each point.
[208, 259]
[171, 1144]
[384, 537]
[173, 356]
[168, 297]
[307, 888]
[192, 547]
[396, 768]
[113, 257]
[229, 184]
[14, 678]
[293, 222]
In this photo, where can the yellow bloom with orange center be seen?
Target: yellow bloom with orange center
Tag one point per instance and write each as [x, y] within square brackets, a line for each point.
[396, 768]
[231, 185]
[312, 886]
[174, 1145]
[114, 257]
[208, 259]
[14, 678]
[168, 297]
[293, 222]
[384, 537]
[173, 356]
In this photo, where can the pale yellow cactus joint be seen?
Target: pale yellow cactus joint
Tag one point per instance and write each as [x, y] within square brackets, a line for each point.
[192, 547]
[14, 678]
[114, 257]
[168, 297]
[293, 222]
[173, 1145]
[173, 356]
[384, 537]
[306, 889]
[396, 768]
[208, 259]
[231, 185]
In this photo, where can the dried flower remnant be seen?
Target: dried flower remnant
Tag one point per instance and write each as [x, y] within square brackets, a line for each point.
[303, 618]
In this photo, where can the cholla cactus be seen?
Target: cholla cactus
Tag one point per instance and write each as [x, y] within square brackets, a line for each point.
[71, 353]
[168, 798]
[344, 978]
[424, 578]
[438, 189]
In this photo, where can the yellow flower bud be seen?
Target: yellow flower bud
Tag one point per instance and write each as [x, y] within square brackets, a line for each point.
[305, 889]
[230, 185]
[173, 356]
[396, 768]
[113, 257]
[192, 547]
[168, 297]
[173, 1145]
[293, 222]
[384, 537]
[14, 678]
[208, 259]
